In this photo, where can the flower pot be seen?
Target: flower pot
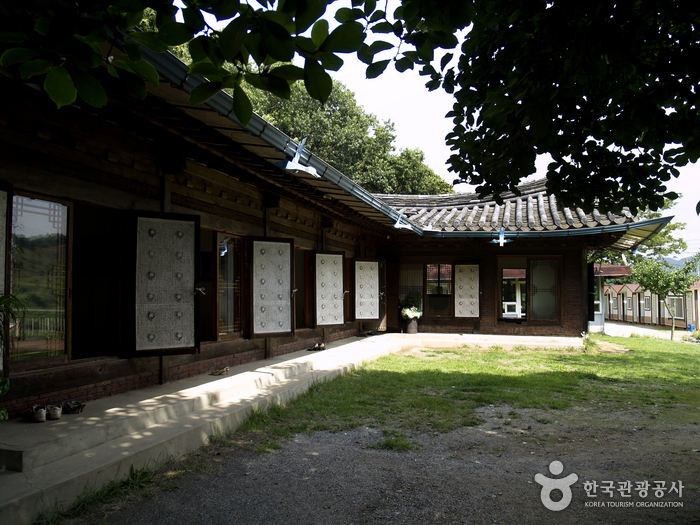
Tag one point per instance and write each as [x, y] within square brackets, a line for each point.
[412, 326]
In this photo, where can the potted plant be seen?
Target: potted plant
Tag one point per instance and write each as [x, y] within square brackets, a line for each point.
[411, 311]
[10, 309]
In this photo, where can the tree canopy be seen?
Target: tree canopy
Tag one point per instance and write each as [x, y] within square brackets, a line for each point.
[352, 141]
[653, 276]
[608, 89]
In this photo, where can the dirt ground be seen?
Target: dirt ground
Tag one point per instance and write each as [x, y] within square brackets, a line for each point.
[481, 474]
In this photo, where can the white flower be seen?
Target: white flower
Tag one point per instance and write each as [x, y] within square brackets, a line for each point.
[411, 313]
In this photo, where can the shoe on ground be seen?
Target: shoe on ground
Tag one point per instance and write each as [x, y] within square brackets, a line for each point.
[39, 413]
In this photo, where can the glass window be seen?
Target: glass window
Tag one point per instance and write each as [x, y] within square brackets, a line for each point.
[597, 305]
[544, 290]
[229, 273]
[647, 303]
[39, 246]
[513, 293]
[410, 280]
[629, 303]
[675, 305]
[438, 289]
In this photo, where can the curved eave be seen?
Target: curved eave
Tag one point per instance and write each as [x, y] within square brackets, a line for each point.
[633, 233]
[274, 145]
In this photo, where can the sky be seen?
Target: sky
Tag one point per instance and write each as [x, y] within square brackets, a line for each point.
[419, 119]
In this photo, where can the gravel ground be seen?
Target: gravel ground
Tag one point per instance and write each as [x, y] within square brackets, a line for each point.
[482, 474]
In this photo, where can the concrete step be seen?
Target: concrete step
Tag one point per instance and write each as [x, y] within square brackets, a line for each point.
[57, 484]
[79, 432]
[60, 460]
[90, 450]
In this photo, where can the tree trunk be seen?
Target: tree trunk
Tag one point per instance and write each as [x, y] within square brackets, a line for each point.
[673, 317]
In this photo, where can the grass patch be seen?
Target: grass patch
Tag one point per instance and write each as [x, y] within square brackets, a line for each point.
[441, 393]
[397, 442]
[137, 482]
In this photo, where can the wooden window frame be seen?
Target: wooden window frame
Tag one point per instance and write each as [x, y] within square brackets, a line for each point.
[450, 296]
[52, 361]
[560, 291]
[239, 314]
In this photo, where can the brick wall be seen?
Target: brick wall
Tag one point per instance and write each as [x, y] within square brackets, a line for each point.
[23, 405]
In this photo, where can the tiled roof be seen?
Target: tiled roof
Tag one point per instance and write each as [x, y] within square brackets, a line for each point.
[617, 288]
[612, 270]
[533, 210]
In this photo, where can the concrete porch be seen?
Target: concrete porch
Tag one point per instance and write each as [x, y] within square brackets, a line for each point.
[48, 465]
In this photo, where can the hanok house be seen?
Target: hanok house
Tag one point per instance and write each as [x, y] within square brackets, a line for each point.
[153, 240]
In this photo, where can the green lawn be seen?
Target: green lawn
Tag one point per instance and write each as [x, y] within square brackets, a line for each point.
[441, 393]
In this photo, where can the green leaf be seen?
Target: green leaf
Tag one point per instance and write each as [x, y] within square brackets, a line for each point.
[377, 15]
[90, 89]
[12, 37]
[59, 86]
[193, 18]
[144, 69]
[91, 44]
[383, 27]
[345, 14]
[288, 72]
[308, 13]
[206, 68]
[365, 54]
[442, 39]
[281, 19]
[275, 85]
[34, 67]
[252, 46]
[133, 50]
[377, 68]
[131, 20]
[345, 38]
[318, 83]
[380, 46]
[332, 62]
[242, 107]
[150, 40]
[198, 48]
[224, 9]
[319, 32]
[445, 60]
[17, 55]
[232, 37]
[174, 34]
[230, 81]
[306, 45]
[42, 25]
[370, 6]
[278, 43]
[403, 64]
[204, 92]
